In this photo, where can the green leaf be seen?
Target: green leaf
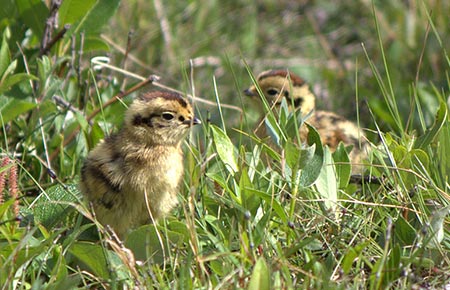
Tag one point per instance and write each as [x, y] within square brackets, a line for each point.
[9, 69]
[55, 205]
[326, 182]
[152, 242]
[431, 133]
[93, 256]
[444, 149]
[72, 11]
[95, 18]
[95, 44]
[437, 226]
[10, 108]
[342, 165]
[404, 232]
[312, 169]
[297, 157]
[5, 55]
[12, 80]
[351, 255]
[250, 201]
[34, 14]
[273, 130]
[260, 279]
[225, 149]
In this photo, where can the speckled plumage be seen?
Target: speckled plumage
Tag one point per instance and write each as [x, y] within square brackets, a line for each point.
[276, 84]
[140, 167]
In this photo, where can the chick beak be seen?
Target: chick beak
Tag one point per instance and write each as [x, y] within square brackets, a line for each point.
[193, 121]
[248, 92]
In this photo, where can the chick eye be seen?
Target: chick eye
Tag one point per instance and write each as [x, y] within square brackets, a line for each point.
[272, 92]
[167, 116]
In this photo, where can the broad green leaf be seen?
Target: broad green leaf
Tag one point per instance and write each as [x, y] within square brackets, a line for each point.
[10, 108]
[312, 169]
[428, 137]
[298, 157]
[326, 183]
[404, 232]
[225, 149]
[292, 153]
[34, 14]
[55, 205]
[260, 279]
[95, 44]
[97, 16]
[152, 242]
[343, 166]
[93, 256]
[71, 11]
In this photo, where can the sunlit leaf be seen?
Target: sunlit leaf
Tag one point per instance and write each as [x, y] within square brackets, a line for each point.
[94, 19]
[260, 279]
[326, 182]
[225, 149]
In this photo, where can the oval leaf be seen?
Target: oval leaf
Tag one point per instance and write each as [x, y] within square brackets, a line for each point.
[225, 149]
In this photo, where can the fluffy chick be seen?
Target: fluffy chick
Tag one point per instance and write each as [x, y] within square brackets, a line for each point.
[132, 177]
[278, 84]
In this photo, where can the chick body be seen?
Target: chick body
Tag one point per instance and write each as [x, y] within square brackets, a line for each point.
[132, 177]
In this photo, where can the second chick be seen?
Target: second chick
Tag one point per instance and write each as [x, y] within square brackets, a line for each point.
[332, 128]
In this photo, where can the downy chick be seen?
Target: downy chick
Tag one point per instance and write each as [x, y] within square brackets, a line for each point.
[132, 177]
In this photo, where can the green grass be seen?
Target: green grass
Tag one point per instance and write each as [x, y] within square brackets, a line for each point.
[249, 216]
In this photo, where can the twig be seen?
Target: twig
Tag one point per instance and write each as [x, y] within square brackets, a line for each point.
[50, 25]
[63, 103]
[165, 29]
[54, 40]
[151, 79]
[125, 58]
[97, 61]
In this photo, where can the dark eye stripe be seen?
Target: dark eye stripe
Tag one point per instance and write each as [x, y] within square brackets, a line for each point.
[139, 121]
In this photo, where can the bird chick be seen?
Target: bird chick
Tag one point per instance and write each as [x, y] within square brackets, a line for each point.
[332, 128]
[132, 177]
